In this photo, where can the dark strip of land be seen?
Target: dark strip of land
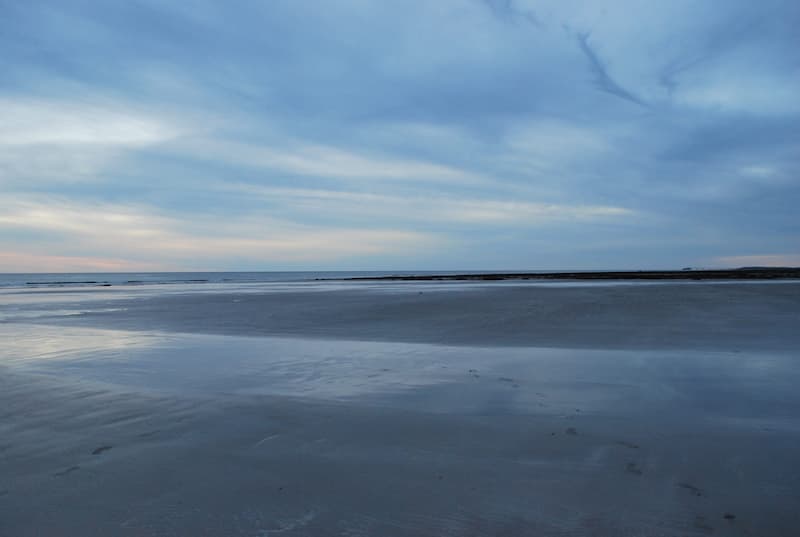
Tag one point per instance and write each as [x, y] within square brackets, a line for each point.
[746, 273]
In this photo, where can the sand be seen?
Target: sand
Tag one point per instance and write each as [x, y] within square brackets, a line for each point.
[417, 409]
[723, 316]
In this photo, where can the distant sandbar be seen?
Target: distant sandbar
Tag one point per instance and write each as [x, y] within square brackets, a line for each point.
[745, 273]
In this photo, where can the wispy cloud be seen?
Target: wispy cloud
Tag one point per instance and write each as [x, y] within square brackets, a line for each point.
[45, 262]
[49, 122]
[763, 260]
[325, 161]
[47, 140]
[132, 235]
[602, 79]
[347, 205]
[508, 10]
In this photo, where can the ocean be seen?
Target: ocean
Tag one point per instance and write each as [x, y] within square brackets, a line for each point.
[93, 279]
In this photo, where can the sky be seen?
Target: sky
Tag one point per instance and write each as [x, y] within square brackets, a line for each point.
[143, 135]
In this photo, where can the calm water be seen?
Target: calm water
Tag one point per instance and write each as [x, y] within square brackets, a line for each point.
[88, 279]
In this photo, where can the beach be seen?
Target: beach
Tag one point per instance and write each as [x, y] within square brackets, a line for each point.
[363, 408]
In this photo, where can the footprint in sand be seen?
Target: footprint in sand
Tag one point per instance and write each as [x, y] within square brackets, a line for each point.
[633, 468]
[509, 381]
[67, 471]
[101, 449]
[697, 491]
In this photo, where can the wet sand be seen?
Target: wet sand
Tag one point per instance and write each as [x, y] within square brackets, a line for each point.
[489, 410]
[712, 316]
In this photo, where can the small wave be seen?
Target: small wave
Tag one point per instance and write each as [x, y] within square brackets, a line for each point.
[63, 283]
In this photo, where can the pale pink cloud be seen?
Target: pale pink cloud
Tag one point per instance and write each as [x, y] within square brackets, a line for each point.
[123, 234]
[32, 262]
[766, 260]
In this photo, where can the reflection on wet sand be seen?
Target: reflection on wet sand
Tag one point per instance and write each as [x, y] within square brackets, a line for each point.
[31, 344]
[436, 378]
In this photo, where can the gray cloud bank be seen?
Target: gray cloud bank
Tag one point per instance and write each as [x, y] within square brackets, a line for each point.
[455, 134]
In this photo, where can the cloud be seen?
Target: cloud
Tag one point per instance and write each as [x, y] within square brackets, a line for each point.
[50, 122]
[602, 79]
[421, 134]
[127, 237]
[769, 260]
[337, 205]
[49, 140]
[508, 10]
[22, 262]
[744, 93]
[324, 161]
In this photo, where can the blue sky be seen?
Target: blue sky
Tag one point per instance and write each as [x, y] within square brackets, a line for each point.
[455, 134]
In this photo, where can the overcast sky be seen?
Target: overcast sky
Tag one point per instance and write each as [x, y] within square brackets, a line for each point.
[446, 134]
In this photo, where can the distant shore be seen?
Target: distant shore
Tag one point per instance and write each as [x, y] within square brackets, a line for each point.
[746, 273]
